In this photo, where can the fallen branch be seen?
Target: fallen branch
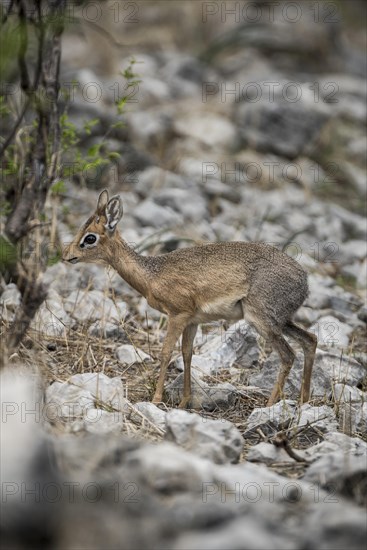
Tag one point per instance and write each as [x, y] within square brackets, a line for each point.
[281, 441]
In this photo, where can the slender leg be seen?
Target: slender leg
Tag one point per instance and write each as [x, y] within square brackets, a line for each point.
[308, 341]
[287, 357]
[273, 334]
[187, 343]
[175, 328]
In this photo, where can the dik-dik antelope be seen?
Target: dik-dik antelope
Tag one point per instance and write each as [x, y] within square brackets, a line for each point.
[230, 281]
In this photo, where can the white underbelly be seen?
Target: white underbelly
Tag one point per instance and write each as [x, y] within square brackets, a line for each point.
[219, 309]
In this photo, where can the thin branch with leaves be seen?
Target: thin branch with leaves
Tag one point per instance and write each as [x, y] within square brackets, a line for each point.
[27, 189]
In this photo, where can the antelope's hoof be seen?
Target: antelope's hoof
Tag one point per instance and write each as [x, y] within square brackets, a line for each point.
[184, 403]
[304, 399]
[271, 401]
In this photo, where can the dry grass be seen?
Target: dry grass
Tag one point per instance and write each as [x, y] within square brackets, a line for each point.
[59, 358]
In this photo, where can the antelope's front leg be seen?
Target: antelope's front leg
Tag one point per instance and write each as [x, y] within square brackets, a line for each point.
[187, 343]
[175, 328]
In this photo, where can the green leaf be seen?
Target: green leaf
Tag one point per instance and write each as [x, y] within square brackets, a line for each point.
[94, 150]
[8, 254]
[119, 124]
[58, 188]
[89, 125]
[114, 155]
[4, 109]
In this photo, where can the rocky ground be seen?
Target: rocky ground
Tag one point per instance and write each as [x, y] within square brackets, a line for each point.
[197, 163]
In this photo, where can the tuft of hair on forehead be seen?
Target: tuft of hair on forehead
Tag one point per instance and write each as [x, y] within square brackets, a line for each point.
[89, 221]
[92, 223]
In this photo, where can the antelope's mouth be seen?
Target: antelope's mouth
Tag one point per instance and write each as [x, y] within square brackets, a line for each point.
[73, 260]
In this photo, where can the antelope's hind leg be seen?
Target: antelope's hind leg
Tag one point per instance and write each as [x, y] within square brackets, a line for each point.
[287, 356]
[308, 342]
[269, 329]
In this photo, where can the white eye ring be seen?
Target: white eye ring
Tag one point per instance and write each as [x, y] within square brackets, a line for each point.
[84, 244]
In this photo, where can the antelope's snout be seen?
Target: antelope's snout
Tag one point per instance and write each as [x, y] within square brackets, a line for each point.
[70, 254]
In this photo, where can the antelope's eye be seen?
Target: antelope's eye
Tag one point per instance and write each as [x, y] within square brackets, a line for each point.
[90, 239]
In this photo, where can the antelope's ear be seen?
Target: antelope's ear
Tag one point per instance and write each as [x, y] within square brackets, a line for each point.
[102, 202]
[114, 211]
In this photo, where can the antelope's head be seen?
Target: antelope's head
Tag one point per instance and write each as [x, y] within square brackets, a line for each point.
[96, 239]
